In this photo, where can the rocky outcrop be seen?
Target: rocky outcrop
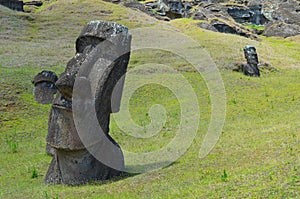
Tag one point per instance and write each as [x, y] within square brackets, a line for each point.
[19, 5]
[285, 20]
[281, 29]
[33, 3]
[252, 14]
[216, 18]
[207, 11]
[280, 17]
[230, 27]
[13, 4]
[169, 9]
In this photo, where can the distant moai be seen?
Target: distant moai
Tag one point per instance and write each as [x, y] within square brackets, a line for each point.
[251, 68]
[102, 51]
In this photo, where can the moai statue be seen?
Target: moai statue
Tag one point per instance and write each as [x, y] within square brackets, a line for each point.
[44, 86]
[44, 91]
[251, 68]
[102, 55]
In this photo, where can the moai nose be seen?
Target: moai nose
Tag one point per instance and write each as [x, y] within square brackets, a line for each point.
[65, 84]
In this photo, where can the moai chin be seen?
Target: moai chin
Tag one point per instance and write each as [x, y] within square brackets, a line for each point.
[99, 43]
[251, 68]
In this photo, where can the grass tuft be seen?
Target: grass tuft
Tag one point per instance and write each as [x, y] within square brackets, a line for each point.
[34, 173]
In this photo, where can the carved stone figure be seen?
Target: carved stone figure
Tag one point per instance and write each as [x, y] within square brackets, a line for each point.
[102, 54]
[251, 68]
[44, 86]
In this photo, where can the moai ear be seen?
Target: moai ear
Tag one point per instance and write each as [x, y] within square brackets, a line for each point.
[44, 87]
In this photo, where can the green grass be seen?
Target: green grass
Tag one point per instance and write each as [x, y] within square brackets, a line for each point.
[258, 149]
[228, 48]
[254, 26]
[257, 155]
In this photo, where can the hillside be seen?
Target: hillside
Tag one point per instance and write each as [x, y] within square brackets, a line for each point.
[257, 155]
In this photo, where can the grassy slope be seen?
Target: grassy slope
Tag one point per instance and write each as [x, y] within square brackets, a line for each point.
[259, 147]
[226, 48]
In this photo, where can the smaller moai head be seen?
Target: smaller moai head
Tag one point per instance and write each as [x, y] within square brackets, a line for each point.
[251, 55]
[44, 87]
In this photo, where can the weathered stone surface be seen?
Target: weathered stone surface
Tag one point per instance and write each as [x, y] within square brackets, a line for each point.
[172, 8]
[252, 14]
[251, 68]
[33, 3]
[13, 4]
[284, 19]
[231, 16]
[228, 27]
[281, 29]
[73, 168]
[141, 7]
[217, 19]
[19, 5]
[279, 10]
[169, 9]
[44, 87]
[102, 53]
[50, 150]
[288, 12]
[208, 11]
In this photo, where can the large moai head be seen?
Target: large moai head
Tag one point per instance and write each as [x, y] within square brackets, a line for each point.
[102, 55]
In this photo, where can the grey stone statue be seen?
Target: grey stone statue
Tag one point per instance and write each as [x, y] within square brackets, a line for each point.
[44, 86]
[102, 53]
[251, 68]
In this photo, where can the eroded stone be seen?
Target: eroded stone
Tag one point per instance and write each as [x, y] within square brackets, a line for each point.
[102, 54]
[44, 87]
[251, 68]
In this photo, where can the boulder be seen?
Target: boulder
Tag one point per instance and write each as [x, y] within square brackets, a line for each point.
[284, 18]
[13, 4]
[252, 14]
[33, 3]
[281, 29]
[171, 9]
[207, 11]
[229, 27]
